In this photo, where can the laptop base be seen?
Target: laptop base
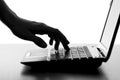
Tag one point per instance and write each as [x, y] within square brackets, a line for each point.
[66, 64]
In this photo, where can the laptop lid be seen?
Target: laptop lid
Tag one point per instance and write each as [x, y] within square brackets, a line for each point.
[111, 27]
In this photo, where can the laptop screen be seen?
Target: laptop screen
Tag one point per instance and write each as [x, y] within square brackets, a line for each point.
[110, 24]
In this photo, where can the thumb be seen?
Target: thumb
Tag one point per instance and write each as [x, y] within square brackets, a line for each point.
[39, 42]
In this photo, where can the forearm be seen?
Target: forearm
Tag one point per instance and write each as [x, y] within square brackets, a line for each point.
[7, 16]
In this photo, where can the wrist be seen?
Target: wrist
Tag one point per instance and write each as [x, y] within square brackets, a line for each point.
[10, 21]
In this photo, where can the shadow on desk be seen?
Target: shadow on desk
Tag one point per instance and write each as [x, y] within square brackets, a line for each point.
[63, 74]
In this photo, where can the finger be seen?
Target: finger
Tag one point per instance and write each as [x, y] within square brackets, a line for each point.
[57, 44]
[51, 41]
[66, 47]
[40, 42]
[64, 41]
[37, 40]
[57, 41]
[62, 37]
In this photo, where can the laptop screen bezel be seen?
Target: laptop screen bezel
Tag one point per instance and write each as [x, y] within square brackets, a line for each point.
[106, 22]
[114, 34]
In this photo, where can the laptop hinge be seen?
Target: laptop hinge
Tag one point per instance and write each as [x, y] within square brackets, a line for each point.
[101, 52]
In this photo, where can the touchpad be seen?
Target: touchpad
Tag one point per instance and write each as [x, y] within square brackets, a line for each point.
[39, 52]
[35, 55]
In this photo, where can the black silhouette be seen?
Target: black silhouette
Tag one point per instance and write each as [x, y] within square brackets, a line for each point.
[26, 29]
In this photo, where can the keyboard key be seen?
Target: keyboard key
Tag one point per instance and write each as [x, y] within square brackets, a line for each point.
[69, 55]
[52, 54]
[73, 49]
[61, 52]
[53, 57]
[52, 51]
[75, 56]
[82, 54]
[80, 48]
[74, 53]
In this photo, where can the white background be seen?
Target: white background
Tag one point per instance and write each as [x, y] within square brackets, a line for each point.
[81, 21]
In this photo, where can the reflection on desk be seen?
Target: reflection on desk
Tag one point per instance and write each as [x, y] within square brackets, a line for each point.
[36, 74]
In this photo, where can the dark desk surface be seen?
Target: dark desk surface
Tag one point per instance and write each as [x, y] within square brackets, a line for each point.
[11, 69]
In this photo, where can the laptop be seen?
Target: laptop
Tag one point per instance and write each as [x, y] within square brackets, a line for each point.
[90, 55]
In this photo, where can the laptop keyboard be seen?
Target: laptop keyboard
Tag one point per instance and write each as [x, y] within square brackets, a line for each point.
[73, 53]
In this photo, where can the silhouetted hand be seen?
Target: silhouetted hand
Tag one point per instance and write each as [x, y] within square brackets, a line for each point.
[26, 30]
